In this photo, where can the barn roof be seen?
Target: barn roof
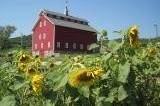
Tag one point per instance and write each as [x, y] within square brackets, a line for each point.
[63, 15]
[68, 21]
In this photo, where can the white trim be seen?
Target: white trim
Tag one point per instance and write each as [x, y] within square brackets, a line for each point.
[74, 46]
[40, 24]
[42, 45]
[44, 35]
[58, 44]
[35, 46]
[49, 44]
[40, 20]
[81, 46]
[66, 45]
[44, 22]
[40, 36]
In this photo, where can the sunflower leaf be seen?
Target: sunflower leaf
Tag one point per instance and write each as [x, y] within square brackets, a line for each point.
[122, 94]
[124, 72]
[84, 91]
[8, 101]
[61, 82]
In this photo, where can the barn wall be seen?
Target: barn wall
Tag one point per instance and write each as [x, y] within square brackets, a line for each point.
[48, 29]
[70, 36]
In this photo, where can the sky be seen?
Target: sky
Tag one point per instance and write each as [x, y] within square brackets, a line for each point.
[102, 14]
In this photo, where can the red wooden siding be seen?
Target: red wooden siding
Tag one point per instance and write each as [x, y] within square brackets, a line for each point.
[47, 35]
[70, 36]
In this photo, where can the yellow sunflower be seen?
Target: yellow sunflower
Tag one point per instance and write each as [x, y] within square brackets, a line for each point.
[98, 71]
[31, 70]
[77, 59]
[24, 58]
[133, 35]
[83, 77]
[22, 66]
[37, 81]
[152, 51]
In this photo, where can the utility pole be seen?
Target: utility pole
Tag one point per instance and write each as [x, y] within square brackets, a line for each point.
[156, 29]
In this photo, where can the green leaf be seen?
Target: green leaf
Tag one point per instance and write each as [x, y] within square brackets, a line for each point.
[105, 76]
[114, 46]
[124, 71]
[61, 82]
[106, 57]
[19, 85]
[48, 103]
[8, 101]
[111, 95]
[96, 91]
[84, 91]
[122, 94]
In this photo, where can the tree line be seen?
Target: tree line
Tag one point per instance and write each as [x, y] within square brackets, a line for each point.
[7, 42]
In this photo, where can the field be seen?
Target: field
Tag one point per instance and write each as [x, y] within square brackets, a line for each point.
[124, 73]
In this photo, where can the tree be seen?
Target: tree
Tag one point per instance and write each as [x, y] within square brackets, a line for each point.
[5, 33]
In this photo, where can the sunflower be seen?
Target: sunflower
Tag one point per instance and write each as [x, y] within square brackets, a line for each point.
[77, 59]
[24, 58]
[22, 66]
[133, 35]
[37, 81]
[98, 71]
[152, 51]
[31, 70]
[83, 77]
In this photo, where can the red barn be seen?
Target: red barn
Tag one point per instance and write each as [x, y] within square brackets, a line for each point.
[55, 32]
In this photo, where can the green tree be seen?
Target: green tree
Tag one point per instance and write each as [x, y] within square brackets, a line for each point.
[5, 33]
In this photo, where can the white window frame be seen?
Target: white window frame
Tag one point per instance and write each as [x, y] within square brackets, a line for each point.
[74, 46]
[40, 24]
[66, 45]
[81, 46]
[42, 45]
[44, 35]
[35, 46]
[49, 44]
[45, 23]
[58, 45]
[40, 36]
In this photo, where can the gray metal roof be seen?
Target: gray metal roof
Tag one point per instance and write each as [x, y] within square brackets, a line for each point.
[63, 15]
[72, 25]
[69, 24]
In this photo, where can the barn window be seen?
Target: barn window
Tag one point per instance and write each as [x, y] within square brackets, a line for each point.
[58, 44]
[35, 46]
[41, 45]
[40, 37]
[49, 44]
[44, 35]
[66, 45]
[74, 45]
[40, 24]
[45, 22]
[81, 46]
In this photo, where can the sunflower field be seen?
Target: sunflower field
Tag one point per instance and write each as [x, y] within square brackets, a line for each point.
[127, 73]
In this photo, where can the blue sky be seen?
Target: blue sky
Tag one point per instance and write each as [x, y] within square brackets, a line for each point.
[102, 14]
